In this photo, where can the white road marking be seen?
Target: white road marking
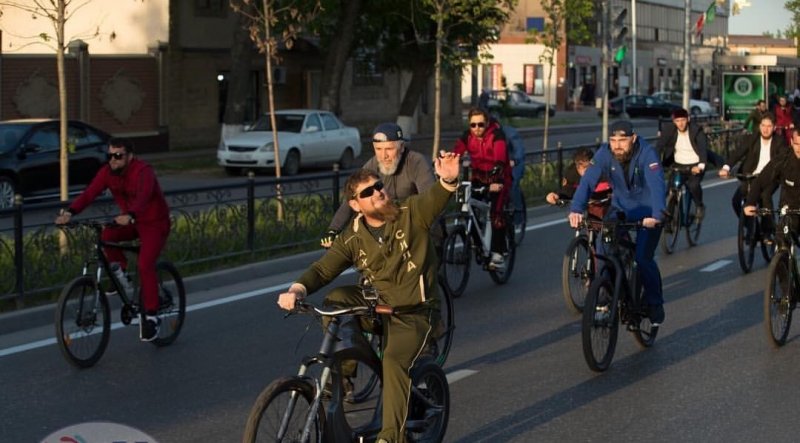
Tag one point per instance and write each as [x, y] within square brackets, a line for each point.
[719, 264]
[461, 374]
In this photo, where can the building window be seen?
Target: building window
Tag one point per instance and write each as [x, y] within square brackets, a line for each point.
[656, 35]
[366, 71]
[211, 8]
[534, 79]
[492, 77]
[536, 23]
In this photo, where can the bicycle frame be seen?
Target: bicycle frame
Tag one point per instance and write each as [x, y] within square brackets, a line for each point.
[622, 264]
[469, 207]
[678, 189]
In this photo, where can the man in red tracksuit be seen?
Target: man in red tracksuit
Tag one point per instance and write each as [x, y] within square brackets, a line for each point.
[143, 213]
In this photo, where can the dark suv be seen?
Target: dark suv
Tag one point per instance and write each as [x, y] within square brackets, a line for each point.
[29, 157]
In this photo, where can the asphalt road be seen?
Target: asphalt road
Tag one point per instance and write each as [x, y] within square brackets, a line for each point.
[517, 372]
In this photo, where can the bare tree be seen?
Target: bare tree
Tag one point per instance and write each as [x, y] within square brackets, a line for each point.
[58, 13]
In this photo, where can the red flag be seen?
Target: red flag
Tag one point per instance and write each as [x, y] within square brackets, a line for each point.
[700, 22]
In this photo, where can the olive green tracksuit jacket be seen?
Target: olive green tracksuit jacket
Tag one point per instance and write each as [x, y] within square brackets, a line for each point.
[402, 265]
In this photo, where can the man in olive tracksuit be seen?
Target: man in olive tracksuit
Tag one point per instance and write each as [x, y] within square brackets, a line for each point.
[390, 246]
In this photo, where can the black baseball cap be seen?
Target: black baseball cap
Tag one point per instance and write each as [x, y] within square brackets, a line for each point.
[621, 127]
[387, 132]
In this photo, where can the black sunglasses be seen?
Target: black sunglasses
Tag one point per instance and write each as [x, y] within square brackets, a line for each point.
[477, 125]
[369, 190]
[117, 155]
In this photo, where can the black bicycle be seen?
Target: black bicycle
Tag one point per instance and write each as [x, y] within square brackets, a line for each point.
[615, 296]
[783, 282]
[681, 211]
[295, 409]
[83, 323]
[750, 233]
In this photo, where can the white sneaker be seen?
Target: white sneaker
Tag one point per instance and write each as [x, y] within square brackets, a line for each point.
[497, 261]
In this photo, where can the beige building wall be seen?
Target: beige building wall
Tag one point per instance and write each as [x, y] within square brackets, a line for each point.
[134, 24]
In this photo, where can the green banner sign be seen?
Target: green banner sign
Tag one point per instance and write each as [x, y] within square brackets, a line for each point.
[740, 92]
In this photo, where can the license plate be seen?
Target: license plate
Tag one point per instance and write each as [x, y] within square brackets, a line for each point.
[239, 156]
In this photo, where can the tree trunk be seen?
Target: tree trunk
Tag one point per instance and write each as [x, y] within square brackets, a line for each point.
[62, 104]
[268, 15]
[437, 82]
[338, 53]
[239, 78]
[420, 73]
[547, 92]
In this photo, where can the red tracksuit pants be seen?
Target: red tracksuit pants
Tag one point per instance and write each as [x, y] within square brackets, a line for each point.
[152, 238]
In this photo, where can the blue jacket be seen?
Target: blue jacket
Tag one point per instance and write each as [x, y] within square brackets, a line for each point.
[641, 194]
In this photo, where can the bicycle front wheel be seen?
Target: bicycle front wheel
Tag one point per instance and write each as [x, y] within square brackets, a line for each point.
[171, 303]
[778, 299]
[644, 332]
[745, 241]
[280, 412]
[456, 261]
[599, 328]
[429, 406]
[501, 275]
[672, 227]
[577, 272]
[83, 323]
[444, 332]
[693, 224]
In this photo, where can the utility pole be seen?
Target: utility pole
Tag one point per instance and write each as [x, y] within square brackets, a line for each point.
[687, 53]
[604, 66]
[635, 80]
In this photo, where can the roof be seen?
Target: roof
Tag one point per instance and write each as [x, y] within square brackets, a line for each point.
[759, 40]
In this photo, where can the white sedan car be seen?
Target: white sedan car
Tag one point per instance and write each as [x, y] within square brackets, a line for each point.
[696, 107]
[305, 137]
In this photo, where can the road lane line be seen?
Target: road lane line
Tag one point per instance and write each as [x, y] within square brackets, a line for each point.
[719, 264]
[460, 374]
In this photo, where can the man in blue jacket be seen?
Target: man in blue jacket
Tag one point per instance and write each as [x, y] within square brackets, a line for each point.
[637, 180]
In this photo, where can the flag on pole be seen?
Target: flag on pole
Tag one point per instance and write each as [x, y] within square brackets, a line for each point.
[706, 17]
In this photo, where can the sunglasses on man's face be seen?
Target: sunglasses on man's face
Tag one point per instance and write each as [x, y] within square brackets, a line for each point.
[116, 155]
[477, 125]
[369, 190]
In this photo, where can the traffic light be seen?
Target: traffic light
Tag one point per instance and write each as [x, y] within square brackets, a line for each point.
[618, 33]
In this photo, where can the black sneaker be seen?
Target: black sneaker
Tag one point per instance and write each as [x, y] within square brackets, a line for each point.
[148, 328]
[656, 314]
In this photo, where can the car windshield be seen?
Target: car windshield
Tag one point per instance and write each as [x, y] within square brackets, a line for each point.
[10, 134]
[284, 122]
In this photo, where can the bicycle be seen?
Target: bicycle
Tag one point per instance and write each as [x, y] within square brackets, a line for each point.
[680, 210]
[579, 265]
[615, 296]
[783, 282]
[746, 244]
[292, 409]
[471, 234]
[82, 318]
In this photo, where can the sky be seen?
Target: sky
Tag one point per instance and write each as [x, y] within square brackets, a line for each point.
[762, 16]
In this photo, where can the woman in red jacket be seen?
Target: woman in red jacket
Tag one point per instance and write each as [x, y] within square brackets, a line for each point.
[783, 119]
[486, 144]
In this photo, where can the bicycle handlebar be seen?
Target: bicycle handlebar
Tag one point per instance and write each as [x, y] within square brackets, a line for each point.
[782, 211]
[745, 177]
[302, 307]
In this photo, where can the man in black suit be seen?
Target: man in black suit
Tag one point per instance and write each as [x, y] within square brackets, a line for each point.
[754, 153]
[684, 143]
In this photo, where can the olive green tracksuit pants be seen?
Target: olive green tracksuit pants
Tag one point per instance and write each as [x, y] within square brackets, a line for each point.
[404, 339]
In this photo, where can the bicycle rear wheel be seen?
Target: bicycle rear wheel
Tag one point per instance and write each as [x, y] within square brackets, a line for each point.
[693, 224]
[501, 275]
[599, 328]
[171, 303]
[444, 333]
[520, 217]
[672, 225]
[83, 323]
[456, 261]
[778, 299]
[745, 241]
[280, 412]
[429, 406]
[577, 272]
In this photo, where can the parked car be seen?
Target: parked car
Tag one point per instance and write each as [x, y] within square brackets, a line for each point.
[305, 137]
[519, 103]
[29, 157]
[696, 107]
[641, 106]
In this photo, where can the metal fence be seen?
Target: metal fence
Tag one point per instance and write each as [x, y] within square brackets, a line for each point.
[222, 225]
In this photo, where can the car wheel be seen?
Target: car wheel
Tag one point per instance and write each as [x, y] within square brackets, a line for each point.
[7, 192]
[347, 159]
[291, 166]
[695, 110]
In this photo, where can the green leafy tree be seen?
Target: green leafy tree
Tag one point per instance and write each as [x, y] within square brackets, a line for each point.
[565, 19]
[793, 31]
